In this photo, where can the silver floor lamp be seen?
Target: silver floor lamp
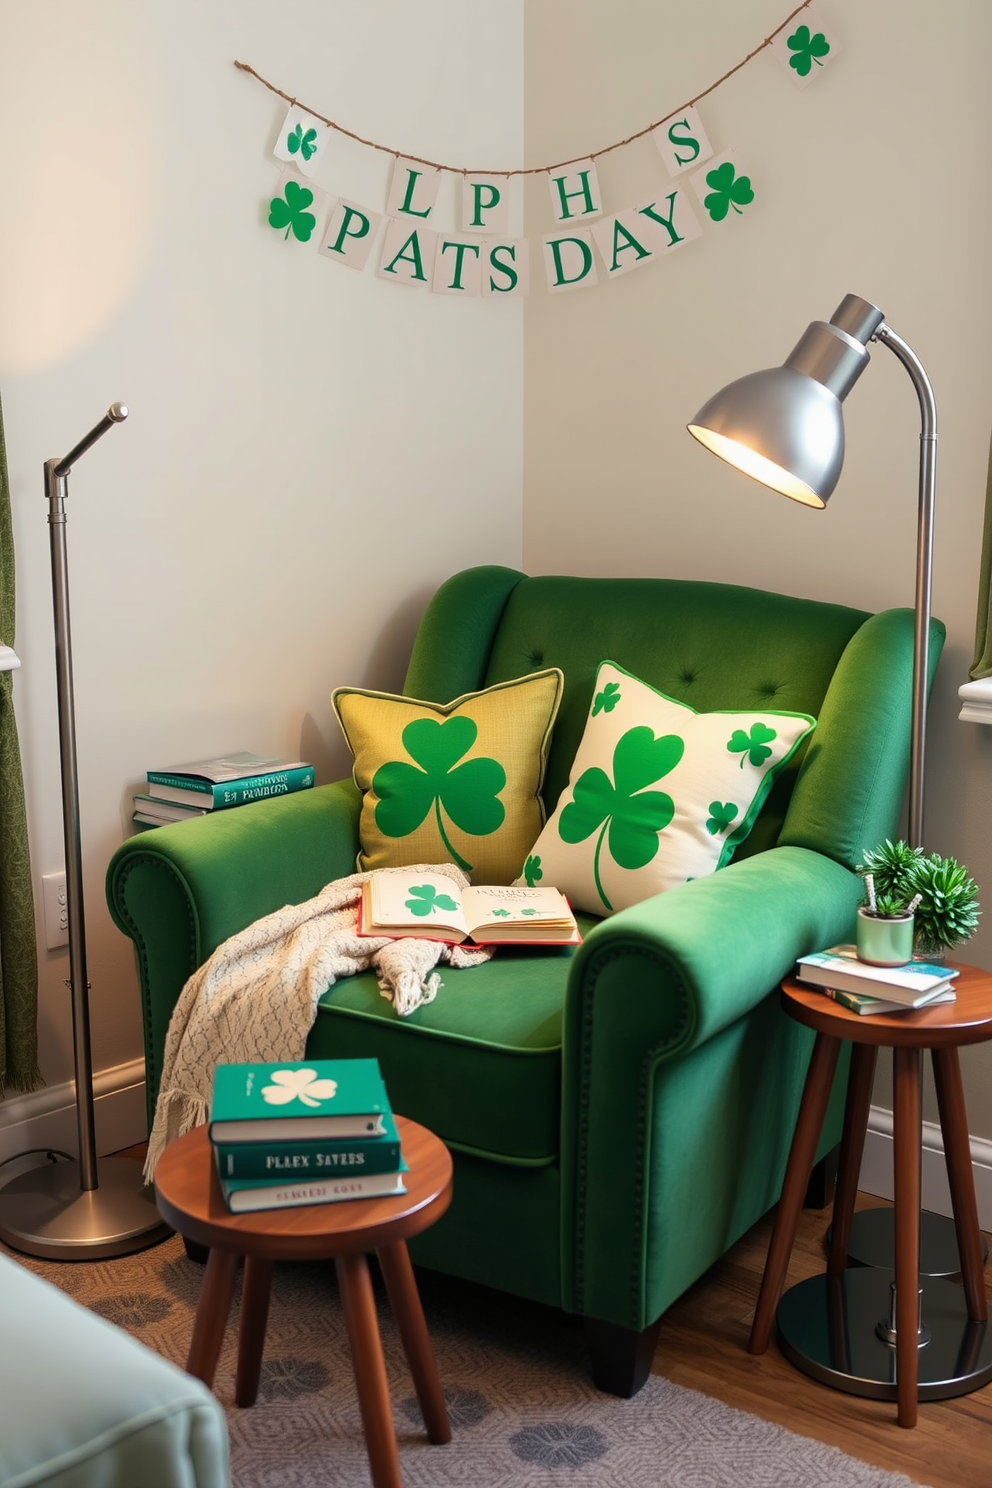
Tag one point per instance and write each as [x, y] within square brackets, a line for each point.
[67, 1210]
[784, 426]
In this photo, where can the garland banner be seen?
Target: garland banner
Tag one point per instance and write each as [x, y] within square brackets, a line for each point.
[480, 257]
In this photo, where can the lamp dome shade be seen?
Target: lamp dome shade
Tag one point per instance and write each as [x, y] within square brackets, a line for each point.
[781, 427]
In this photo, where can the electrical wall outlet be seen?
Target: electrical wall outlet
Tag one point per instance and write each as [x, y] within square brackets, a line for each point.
[56, 911]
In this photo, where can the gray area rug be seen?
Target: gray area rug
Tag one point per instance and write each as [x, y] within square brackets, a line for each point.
[523, 1412]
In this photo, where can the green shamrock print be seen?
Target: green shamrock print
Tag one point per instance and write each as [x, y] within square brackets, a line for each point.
[290, 214]
[305, 143]
[808, 49]
[533, 872]
[501, 914]
[722, 813]
[468, 792]
[728, 190]
[528, 912]
[606, 701]
[631, 815]
[753, 746]
[425, 899]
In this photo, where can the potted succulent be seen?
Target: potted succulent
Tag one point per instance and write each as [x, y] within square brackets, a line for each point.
[935, 894]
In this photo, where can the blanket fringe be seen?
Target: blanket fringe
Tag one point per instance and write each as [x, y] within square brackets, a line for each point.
[176, 1113]
[409, 991]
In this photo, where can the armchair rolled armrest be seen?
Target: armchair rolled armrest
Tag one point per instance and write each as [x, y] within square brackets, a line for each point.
[659, 990]
[179, 891]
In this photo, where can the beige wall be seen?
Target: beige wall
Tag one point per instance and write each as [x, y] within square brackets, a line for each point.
[868, 181]
[310, 450]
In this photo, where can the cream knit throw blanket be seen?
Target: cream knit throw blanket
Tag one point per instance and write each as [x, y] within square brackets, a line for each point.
[256, 997]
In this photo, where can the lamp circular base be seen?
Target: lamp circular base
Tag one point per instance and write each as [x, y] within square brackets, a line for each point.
[45, 1212]
[873, 1242]
[826, 1328]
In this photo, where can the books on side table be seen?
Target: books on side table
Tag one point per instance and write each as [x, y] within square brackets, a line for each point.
[876, 989]
[314, 1132]
[193, 789]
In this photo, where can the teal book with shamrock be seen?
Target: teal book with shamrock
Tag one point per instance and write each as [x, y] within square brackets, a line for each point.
[433, 906]
[321, 1157]
[288, 1102]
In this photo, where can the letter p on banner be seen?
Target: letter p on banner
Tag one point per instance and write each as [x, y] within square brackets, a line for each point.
[350, 234]
[485, 205]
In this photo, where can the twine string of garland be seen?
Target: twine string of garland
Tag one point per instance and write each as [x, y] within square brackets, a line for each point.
[532, 170]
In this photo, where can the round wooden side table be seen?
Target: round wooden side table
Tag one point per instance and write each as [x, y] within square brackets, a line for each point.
[844, 1328]
[189, 1199]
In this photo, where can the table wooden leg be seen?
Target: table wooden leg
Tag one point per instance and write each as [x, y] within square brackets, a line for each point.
[812, 1109]
[409, 1314]
[358, 1305]
[251, 1336]
[907, 1116]
[211, 1315]
[961, 1179]
[859, 1087]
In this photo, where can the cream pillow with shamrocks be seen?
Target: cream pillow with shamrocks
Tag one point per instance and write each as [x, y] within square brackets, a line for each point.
[658, 793]
[451, 782]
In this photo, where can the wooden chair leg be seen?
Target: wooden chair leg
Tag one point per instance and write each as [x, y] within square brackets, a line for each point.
[907, 1116]
[251, 1334]
[859, 1086]
[404, 1299]
[812, 1109]
[358, 1305]
[211, 1315]
[961, 1179]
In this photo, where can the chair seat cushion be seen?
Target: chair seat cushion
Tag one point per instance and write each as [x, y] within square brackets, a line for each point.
[480, 1065]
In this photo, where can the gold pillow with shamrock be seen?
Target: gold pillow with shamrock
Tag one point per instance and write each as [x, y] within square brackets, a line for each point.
[452, 782]
[658, 793]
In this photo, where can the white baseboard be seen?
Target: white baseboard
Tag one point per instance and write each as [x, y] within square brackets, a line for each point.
[877, 1172]
[47, 1117]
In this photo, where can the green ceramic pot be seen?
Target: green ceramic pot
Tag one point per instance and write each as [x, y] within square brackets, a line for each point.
[884, 942]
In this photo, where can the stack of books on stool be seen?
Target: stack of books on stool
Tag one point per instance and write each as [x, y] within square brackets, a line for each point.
[181, 791]
[865, 988]
[309, 1133]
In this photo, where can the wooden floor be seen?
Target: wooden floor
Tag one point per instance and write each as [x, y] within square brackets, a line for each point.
[703, 1345]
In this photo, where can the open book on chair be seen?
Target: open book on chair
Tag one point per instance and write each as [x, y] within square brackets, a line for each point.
[434, 907]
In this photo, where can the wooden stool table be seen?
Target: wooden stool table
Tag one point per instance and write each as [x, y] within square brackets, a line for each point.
[189, 1198]
[942, 1030]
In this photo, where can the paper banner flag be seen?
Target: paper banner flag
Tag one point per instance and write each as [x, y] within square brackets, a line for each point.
[568, 261]
[485, 204]
[574, 191]
[407, 254]
[506, 269]
[639, 236]
[682, 141]
[805, 49]
[413, 189]
[294, 208]
[301, 140]
[723, 188]
[458, 265]
[350, 234]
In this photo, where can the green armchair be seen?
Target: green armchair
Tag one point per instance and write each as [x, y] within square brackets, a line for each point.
[619, 1114]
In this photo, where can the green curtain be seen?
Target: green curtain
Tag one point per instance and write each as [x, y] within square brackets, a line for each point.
[18, 951]
[982, 664]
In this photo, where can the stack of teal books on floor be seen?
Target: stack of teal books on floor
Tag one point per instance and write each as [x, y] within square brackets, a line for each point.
[311, 1133]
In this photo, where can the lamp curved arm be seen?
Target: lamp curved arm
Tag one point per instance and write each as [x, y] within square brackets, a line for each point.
[924, 570]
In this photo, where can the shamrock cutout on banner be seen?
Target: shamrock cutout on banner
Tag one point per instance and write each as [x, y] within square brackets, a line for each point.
[425, 899]
[632, 815]
[290, 212]
[305, 143]
[469, 792]
[809, 48]
[728, 189]
[753, 746]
